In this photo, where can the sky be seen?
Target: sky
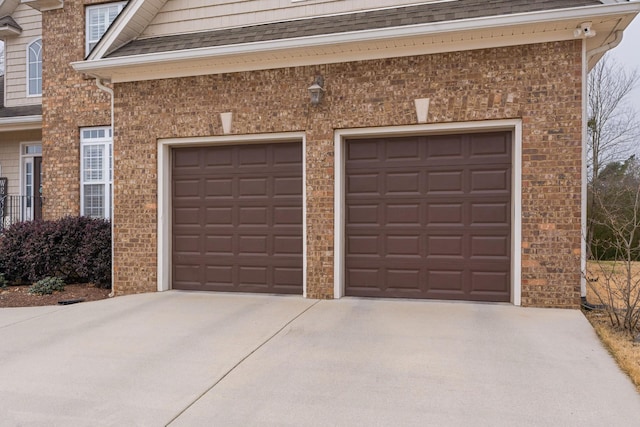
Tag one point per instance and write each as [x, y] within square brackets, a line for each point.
[627, 54]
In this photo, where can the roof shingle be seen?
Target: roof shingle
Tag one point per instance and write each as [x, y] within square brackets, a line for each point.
[359, 21]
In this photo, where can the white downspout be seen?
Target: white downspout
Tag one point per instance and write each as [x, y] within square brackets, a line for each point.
[607, 46]
[103, 88]
[586, 56]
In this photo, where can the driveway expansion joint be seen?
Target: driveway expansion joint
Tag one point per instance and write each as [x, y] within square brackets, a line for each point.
[240, 362]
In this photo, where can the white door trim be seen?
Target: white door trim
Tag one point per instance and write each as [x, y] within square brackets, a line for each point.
[514, 125]
[164, 192]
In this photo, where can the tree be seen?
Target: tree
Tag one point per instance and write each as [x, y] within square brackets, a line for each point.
[616, 243]
[613, 127]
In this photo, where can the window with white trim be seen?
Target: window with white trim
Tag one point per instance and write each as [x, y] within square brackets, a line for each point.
[96, 171]
[34, 68]
[98, 18]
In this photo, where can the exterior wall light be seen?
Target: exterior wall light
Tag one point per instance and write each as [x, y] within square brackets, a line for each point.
[316, 90]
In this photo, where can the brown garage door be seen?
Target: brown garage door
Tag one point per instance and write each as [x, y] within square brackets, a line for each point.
[429, 217]
[237, 218]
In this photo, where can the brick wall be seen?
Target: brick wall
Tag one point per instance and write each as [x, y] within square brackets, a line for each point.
[69, 101]
[538, 83]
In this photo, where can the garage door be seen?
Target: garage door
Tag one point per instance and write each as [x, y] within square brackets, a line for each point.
[237, 218]
[429, 217]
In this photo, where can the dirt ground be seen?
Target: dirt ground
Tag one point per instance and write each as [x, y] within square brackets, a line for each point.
[19, 296]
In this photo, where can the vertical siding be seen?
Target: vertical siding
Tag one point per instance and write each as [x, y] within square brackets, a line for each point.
[181, 16]
[16, 57]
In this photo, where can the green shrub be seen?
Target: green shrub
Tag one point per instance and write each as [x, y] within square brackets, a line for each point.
[76, 249]
[3, 281]
[47, 286]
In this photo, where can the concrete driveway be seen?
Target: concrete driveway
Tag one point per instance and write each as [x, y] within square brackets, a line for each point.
[198, 359]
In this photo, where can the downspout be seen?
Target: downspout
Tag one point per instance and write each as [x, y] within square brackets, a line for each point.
[586, 56]
[108, 90]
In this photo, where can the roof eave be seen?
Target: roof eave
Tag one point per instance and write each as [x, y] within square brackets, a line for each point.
[9, 124]
[107, 68]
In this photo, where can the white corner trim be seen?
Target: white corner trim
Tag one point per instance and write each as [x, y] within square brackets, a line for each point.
[514, 125]
[164, 192]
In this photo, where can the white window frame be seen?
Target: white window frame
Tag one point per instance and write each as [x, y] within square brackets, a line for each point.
[103, 10]
[28, 191]
[39, 63]
[104, 141]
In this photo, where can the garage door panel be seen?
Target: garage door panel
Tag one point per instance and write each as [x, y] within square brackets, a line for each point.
[405, 278]
[287, 154]
[489, 282]
[447, 148]
[363, 184]
[362, 214]
[429, 217]
[186, 216]
[287, 186]
[445, 280]
[252, 187]
[403, 245]
[403, 149]
[405, 183]
[445, 213]
[489, 246]
[287, 215]
[219, 215]
[490, 180]
[243, 231]
[287, 245]
[219, 188]
[445, 182]
[445, 246]
[253, 155]
[487, 213]
[407, 214]
[362, 150]
[253, 215]
[217, 244]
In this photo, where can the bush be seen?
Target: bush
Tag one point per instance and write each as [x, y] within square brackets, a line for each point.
[47, 286]
[75, 249]
[3, 281]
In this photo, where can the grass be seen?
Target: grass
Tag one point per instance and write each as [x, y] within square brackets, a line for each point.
[619, 343]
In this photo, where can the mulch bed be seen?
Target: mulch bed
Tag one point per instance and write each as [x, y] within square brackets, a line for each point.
[19, 296]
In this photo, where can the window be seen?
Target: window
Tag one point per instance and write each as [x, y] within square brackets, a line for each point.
[98, 19]
[34, 68]
[96, 172]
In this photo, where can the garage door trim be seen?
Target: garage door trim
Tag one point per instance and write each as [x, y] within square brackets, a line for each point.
[342, 135]
[164, 192]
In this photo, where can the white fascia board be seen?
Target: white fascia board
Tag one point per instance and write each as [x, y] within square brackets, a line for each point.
[10, 124]
[105, 67]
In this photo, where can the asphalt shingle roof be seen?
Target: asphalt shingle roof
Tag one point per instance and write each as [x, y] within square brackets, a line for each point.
[27, 110]
[377, 19]
[9, 22]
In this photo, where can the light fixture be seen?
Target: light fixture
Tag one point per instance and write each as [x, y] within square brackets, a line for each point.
[316, 90]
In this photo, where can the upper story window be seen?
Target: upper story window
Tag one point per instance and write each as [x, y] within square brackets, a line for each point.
[34, 68]
[98, 19]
